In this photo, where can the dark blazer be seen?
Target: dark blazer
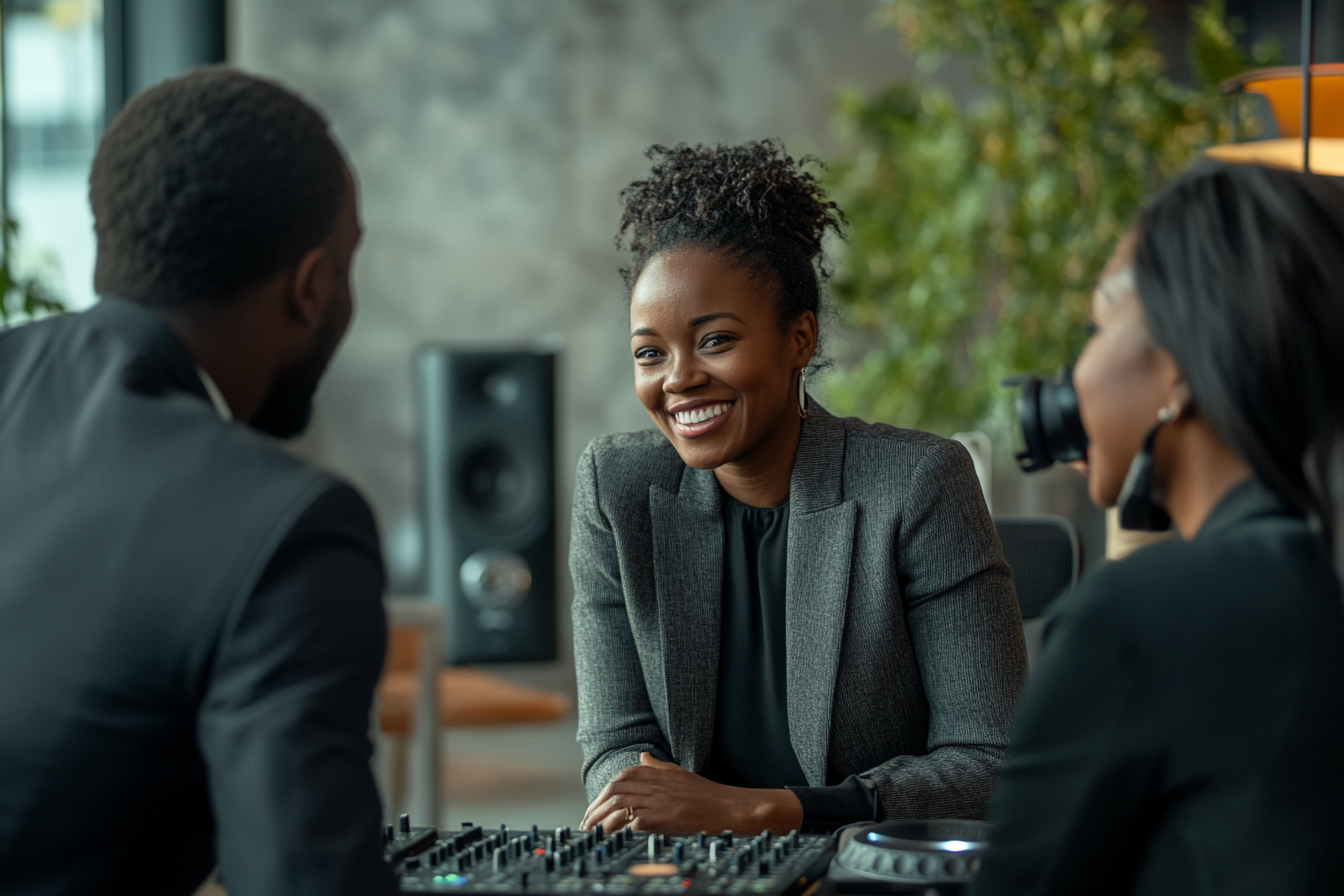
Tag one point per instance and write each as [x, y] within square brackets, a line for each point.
[904, 650]
[190, 632]
[1182, 730]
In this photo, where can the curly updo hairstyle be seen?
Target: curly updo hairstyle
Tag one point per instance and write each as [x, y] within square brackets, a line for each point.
[752, 204]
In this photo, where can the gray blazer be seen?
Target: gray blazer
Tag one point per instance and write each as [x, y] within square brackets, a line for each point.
[904, 649]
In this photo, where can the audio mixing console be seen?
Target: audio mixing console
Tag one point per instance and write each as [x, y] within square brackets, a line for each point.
[564, 861]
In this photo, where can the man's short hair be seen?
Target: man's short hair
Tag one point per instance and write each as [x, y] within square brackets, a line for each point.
[208, 184]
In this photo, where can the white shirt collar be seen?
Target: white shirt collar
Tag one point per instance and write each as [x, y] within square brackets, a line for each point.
[216, 397]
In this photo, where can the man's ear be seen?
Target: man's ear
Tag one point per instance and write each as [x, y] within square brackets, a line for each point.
[313, 285]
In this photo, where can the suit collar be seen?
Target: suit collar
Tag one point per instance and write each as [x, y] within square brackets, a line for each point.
[162, 359]
[1243, 502]
[817, 481]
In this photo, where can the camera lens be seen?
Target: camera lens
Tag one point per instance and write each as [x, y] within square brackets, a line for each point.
[1047, 411]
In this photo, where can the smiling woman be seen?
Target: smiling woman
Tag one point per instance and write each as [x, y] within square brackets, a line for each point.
[782, 619]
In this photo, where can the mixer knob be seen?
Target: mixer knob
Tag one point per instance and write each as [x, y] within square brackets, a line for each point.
[503, 830]
[700, 839]
[581, 869]
[678, 852]
[388, 834]
[501, 859]
[765, 836]
[536, 837]
[568, 833]
[778, 853]
[550, 861]
[522, 880]
[559, 835]
[404, 824]
[726, 837]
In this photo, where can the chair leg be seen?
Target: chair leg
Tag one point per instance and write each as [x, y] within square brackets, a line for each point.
[389, 770]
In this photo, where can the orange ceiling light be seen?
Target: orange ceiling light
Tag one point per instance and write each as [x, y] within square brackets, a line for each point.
[1282, 87]
[1317, 90]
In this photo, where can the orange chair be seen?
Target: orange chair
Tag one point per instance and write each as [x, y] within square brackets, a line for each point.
[414, 686]
[467, 696]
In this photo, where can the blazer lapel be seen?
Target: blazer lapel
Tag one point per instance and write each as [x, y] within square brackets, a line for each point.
[688, 580]
[821, 547]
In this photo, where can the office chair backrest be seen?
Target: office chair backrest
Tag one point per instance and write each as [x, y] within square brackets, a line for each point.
[1045, 556]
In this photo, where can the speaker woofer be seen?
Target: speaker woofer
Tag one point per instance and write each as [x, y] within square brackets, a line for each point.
[498, 484]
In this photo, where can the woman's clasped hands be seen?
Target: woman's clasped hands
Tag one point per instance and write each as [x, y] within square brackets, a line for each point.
[658, 796]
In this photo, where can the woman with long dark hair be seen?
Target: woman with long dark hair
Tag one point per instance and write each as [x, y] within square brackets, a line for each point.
[1182, 730]
[781, 618]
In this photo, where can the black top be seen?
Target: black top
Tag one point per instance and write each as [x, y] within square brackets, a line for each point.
[751, 745]
[1181, 732]
[190, 632]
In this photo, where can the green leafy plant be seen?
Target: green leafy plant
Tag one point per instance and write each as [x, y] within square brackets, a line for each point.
[976, 234]
[23, 296]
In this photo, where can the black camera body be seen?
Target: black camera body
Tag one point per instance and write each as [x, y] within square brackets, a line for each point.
[1052, 429]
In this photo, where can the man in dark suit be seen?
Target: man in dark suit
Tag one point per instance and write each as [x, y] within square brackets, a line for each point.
[190, 617]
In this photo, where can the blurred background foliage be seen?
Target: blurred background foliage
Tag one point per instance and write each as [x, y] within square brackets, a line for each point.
[24, 291]
[976, 233]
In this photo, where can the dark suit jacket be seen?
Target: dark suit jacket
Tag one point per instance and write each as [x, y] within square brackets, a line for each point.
[190, 632]
[903, 640]
[1182, 731]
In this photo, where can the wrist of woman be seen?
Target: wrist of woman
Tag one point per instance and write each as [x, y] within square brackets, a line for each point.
[776, 811]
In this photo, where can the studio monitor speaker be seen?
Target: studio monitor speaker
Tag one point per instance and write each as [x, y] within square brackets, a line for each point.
[487, 481]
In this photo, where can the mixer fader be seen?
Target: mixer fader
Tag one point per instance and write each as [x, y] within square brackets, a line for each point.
[564, 861]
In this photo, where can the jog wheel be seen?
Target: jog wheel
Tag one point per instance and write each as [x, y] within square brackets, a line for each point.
[932, 853]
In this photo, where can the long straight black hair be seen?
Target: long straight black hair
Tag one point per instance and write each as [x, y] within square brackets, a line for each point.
[1240, 271]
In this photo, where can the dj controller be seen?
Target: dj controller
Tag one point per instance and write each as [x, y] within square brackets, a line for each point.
[930, 858]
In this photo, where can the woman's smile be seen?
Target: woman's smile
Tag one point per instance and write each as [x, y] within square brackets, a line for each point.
[694, 419]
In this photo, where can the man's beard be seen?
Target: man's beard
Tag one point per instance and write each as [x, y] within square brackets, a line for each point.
[288, 406]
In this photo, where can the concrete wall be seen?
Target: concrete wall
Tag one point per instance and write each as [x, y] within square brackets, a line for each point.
[491, 137]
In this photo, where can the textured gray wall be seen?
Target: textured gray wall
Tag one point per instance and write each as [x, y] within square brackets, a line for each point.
[491, 137]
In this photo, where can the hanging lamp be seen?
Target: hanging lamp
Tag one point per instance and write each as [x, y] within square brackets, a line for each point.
[1307, 103]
